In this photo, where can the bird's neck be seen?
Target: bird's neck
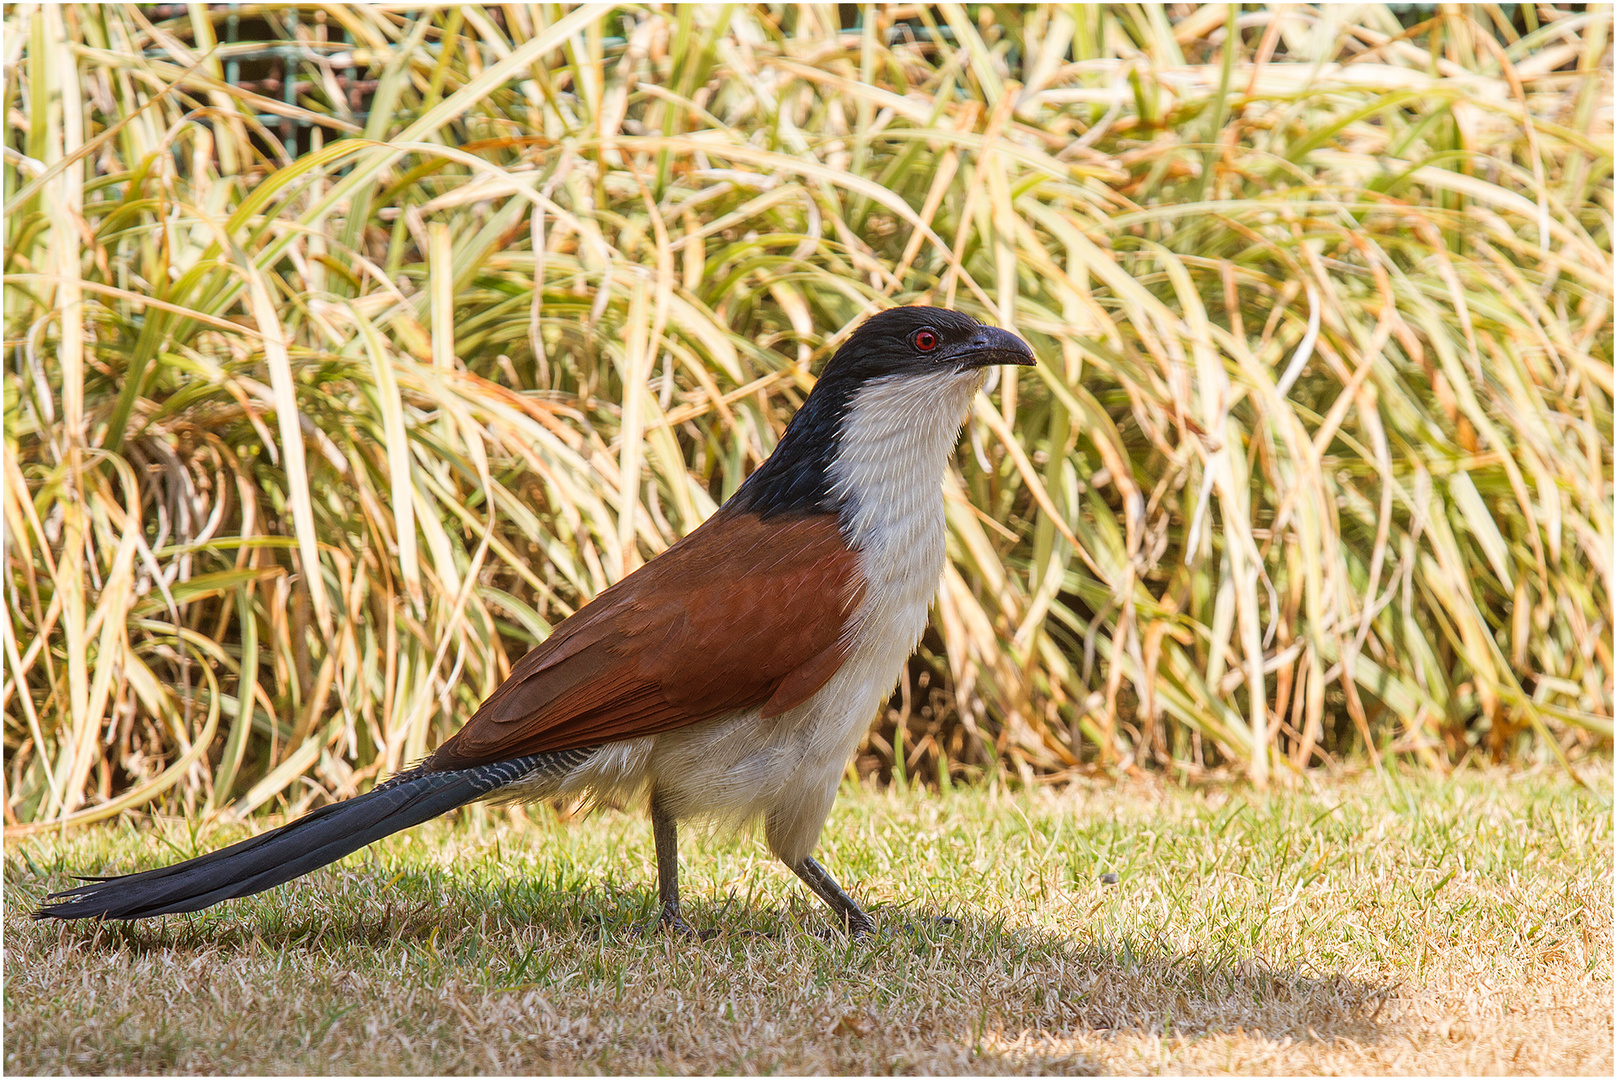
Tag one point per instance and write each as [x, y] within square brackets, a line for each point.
[873, 453]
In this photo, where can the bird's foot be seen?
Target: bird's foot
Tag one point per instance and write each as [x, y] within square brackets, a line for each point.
[669, 921]
[856, 931]
[677, 927]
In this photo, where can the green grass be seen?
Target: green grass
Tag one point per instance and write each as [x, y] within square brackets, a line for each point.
[1375, 925]
[303, 452]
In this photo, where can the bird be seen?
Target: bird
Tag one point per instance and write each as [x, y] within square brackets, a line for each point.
[728, 680]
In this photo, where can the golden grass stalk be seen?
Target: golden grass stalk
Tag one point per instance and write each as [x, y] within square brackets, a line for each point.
[302, 451]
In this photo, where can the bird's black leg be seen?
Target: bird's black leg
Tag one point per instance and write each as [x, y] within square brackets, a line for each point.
[852, 917]
[665, 834]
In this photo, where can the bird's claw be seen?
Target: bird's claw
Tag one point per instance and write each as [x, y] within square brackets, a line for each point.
[857, 933]
[669, 921]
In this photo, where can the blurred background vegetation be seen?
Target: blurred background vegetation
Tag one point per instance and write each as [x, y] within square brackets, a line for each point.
[347, 350]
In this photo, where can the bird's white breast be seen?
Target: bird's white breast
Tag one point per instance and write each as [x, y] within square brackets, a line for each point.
[896, 439]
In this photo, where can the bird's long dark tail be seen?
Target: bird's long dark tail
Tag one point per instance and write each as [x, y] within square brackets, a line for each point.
[306, 844]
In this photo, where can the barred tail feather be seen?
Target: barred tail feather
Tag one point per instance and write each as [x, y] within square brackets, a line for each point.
[312, 841]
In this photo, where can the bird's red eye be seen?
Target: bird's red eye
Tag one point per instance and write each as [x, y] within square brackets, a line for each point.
[925, 340]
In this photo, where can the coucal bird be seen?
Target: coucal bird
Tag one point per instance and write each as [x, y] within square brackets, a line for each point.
[731, 676]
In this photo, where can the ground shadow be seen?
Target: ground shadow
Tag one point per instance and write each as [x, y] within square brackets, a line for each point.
[1037, 988]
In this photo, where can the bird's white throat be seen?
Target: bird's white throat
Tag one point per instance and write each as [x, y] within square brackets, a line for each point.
[897, 436]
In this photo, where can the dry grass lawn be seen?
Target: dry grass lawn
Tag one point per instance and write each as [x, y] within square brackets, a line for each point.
[1404, 925]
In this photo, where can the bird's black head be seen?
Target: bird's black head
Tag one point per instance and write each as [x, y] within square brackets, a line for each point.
[912, 340]
[893, 344]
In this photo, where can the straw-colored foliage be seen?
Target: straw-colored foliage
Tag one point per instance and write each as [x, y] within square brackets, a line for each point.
[301, 452]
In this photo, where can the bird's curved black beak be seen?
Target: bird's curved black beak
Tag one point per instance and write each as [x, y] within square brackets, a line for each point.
[990, 345]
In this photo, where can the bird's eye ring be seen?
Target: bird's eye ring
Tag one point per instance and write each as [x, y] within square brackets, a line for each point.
[925, 340]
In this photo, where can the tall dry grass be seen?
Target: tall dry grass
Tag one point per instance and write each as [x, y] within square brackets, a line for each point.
[301, 452]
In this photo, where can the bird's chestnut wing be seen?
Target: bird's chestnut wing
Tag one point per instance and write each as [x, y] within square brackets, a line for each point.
[741, 613]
